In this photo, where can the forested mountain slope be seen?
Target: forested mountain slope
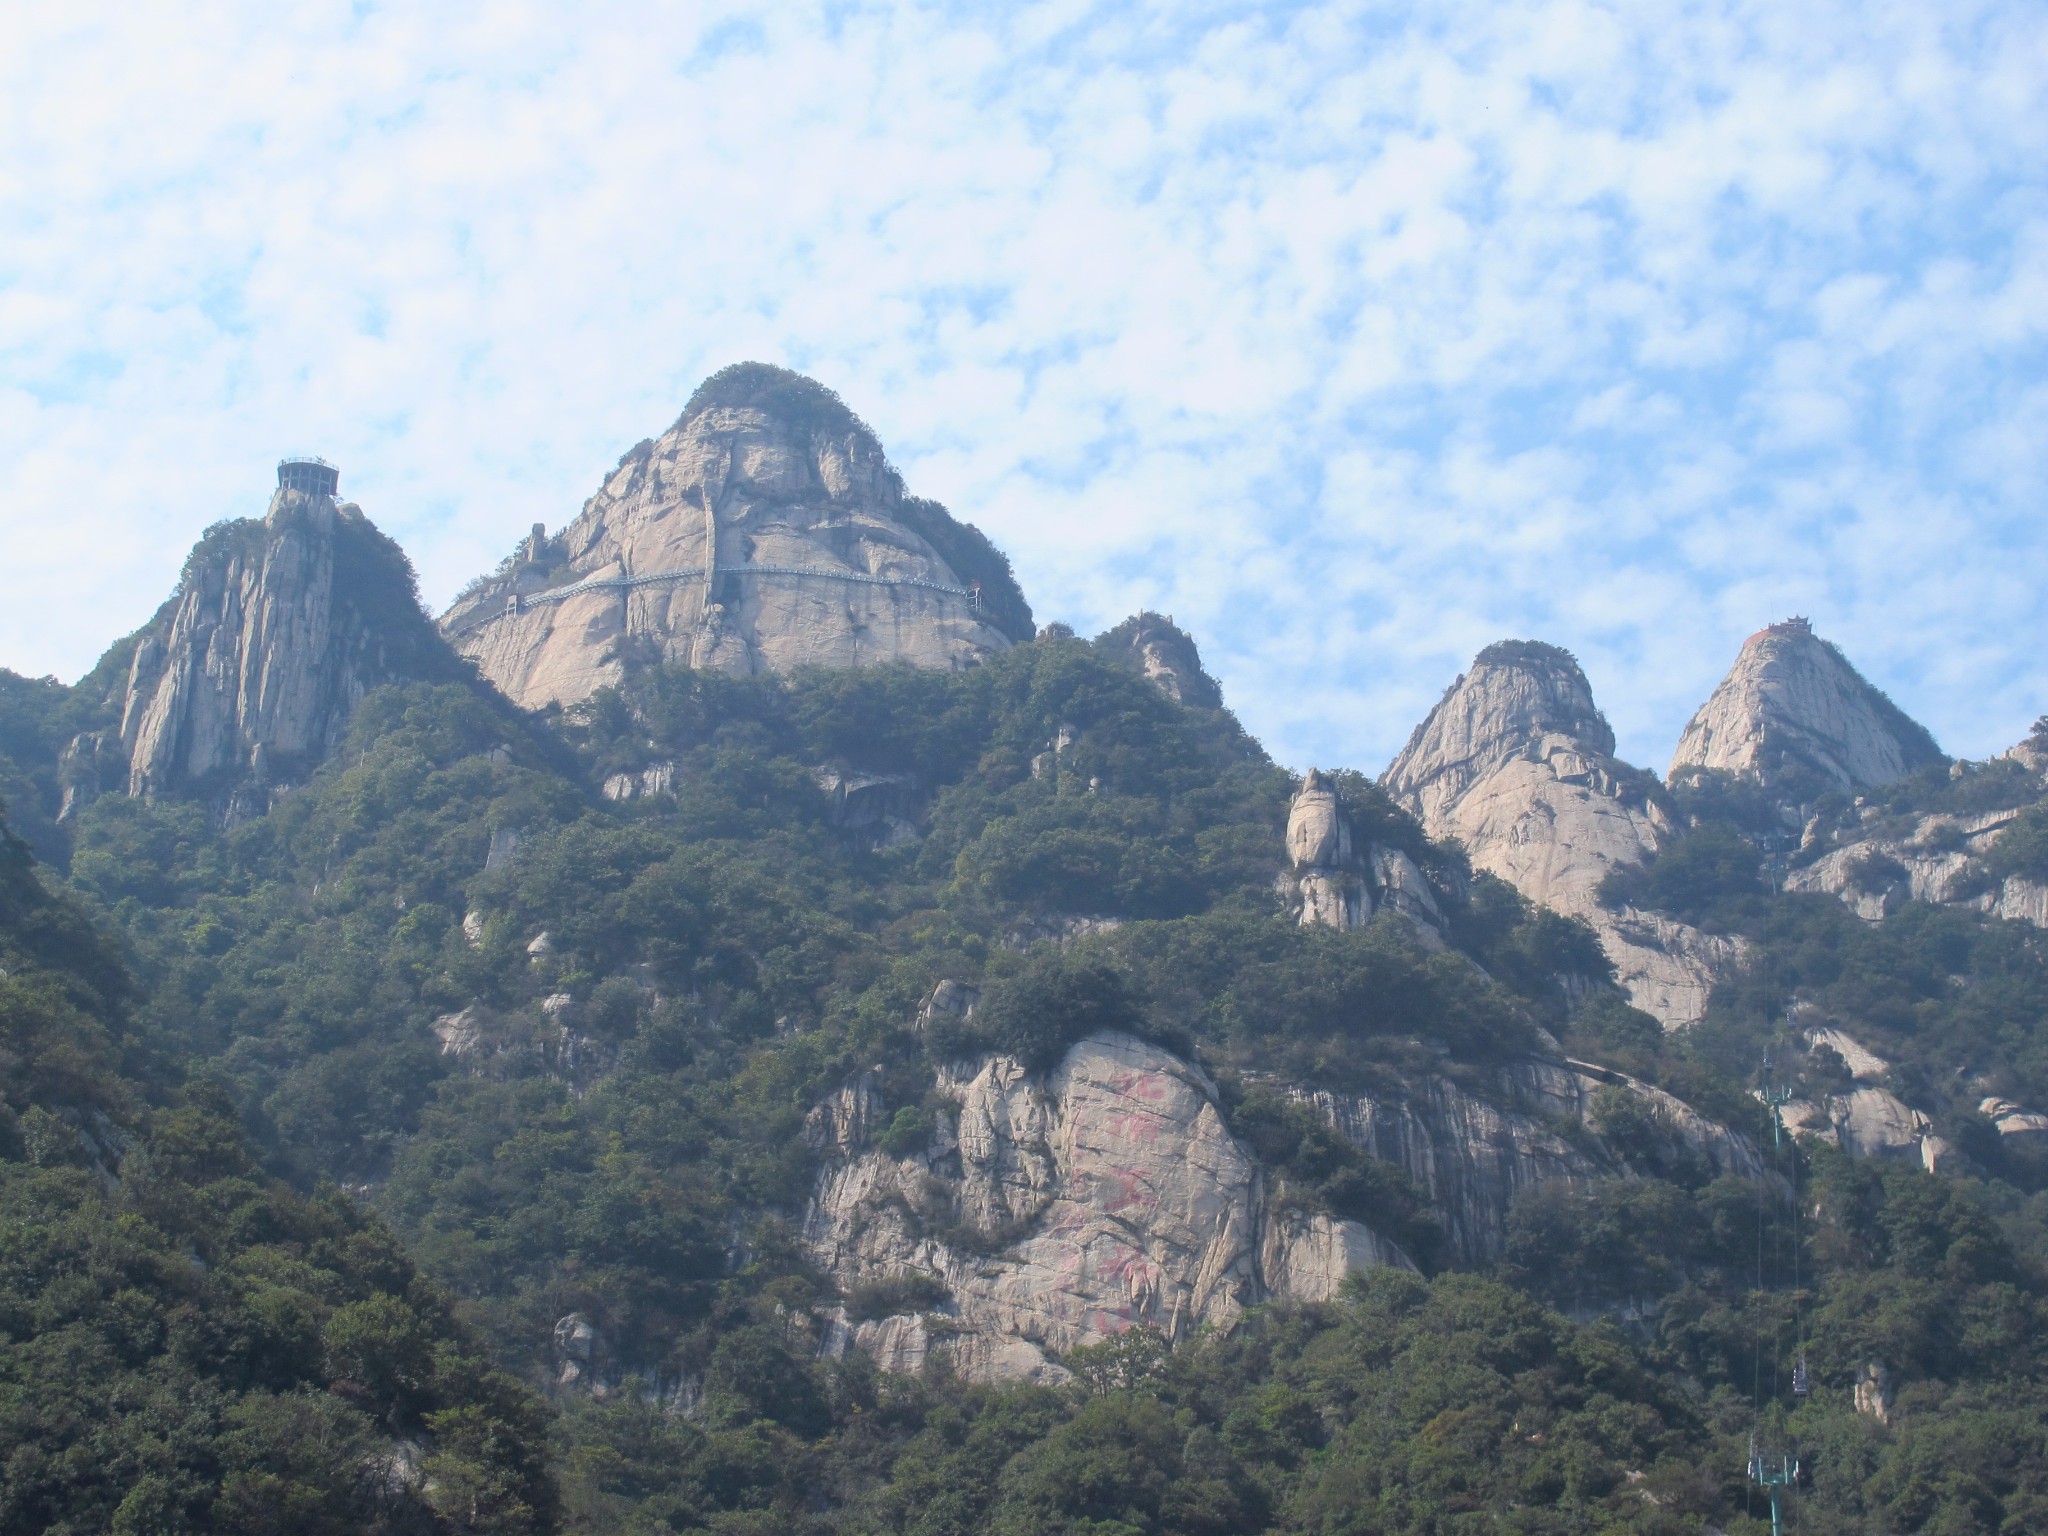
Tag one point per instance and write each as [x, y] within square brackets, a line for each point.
[188, 1342]
[981, 1099]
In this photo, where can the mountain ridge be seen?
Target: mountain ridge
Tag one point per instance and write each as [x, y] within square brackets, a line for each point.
[804, 1076]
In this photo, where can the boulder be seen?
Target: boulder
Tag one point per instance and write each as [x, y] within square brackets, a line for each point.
[1864, 1064]
[1871, 1122]
[461, 1034]
[2012, 1120]
[1873, 1391]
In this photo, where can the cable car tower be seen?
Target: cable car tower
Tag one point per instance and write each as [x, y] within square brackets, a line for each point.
[1774, 1474]
[1773, 1470]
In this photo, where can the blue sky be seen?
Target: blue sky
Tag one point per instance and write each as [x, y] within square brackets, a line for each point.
[1354, 336]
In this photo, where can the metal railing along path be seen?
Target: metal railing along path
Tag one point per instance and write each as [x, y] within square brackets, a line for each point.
[519, 602]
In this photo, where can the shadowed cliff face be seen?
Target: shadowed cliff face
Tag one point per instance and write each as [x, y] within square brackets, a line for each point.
[249, 674]
[1793, 708]
[764, 531]
[1517, 763]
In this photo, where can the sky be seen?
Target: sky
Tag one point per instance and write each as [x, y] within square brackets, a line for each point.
[1353, 336]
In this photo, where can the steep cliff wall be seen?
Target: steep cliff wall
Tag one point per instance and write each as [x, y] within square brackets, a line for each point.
[1792, 710]
[1517, 763]
[249, 674]
[1471, 1153]
[1333, 880]
[1056, 1211]
[1046, 1212]
[764, 531]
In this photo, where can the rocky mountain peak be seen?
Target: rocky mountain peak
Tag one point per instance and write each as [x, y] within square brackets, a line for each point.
[1166, 654]
[1793, 711]
[1522, 700]
[1517, 763]
[249, 673]
[764, 531]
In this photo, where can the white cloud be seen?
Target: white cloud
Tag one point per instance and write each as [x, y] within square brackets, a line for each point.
[1354, 336]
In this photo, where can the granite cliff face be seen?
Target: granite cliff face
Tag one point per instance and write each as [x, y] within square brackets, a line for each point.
[1055, 1211]
[1792, 709]
[247, 677]
[1936, 858]
[1050, 1211]
[764, 531]
[1472, 1151]
[1517, 763]
[1332, 881]
[1166, 654]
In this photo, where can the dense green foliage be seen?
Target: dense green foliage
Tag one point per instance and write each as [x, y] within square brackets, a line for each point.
[564, 1045]
[1936, 1284]
[188, 1344]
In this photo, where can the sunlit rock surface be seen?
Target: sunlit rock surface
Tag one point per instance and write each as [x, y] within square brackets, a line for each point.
[1054, 1210]
[1517, 763]
[1059, 1210]
[764, 531]
[1792, 703]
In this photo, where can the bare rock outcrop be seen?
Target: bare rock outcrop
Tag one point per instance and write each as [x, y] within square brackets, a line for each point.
[1517, 763]
[1939, 858]
[2012, 1119]
[1792, 709]
[1932, 860]
[1053, 1211]
[764, 531]
[1166, 655]
[1333, 882]
[1866, 1120]
[247, 677]
[1471, 1153]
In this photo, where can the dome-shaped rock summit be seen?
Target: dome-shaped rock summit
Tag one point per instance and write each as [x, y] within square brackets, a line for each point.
[764, 531]
[1517, 762]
